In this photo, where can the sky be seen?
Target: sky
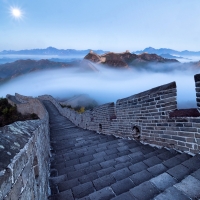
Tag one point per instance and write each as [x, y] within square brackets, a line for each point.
[114, 25]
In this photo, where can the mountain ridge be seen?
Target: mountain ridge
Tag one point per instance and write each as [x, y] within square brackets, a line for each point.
[168, 51]
[126, 59]
[20, 67]
[48, 51]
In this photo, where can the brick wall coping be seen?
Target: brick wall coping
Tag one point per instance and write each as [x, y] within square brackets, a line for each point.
[191, 112]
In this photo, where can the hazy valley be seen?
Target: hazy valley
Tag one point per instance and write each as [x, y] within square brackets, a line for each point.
[104, 76]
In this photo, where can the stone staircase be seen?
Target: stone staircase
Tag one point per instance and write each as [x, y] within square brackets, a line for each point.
[90, 166]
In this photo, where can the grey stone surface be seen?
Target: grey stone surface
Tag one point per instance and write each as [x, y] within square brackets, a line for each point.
[66, 195]
[125, 196]
[193, 163]
[103, 182]
[196, 174]
[152, 161]
[138, 167]
[122, 186]
[103, 194]
[24, 160]
[172, 162]
[163, 181]
[66, 185]
[144, 191]
[189, 186]
[179, 172]
[83, 190]
[170, 194]
[157, 169]
[121, 174]
[141, 177]
[106, 171]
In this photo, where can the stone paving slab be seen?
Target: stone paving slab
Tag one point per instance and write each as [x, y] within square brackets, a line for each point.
[163, 181]
[179, 172]
[152, 161]
[157, 169]
[141, 177]
[189, 186]
[125, 196]
[122, 186]
[66, 195]
[144, 191]
[104, 181]
[103, 194]
[196, 174]
[172, 193]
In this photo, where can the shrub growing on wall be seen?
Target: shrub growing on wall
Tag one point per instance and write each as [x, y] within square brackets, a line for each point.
[9, 114]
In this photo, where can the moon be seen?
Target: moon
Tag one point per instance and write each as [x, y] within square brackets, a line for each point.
[16, 13]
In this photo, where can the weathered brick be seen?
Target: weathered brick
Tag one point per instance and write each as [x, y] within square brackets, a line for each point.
[178, 138]
[186, 134]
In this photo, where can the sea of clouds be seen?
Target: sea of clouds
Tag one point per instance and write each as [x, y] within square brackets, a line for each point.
[107, 85]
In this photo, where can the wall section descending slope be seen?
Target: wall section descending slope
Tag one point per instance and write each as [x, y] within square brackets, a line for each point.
[151, 117]
[100, 116]
[24, 154]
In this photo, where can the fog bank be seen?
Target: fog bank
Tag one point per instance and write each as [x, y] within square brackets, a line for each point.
[106, 86]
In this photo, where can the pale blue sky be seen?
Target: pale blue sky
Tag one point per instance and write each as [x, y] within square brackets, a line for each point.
[114, 25]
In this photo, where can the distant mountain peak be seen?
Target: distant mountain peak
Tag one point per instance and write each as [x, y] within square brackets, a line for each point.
[162, 51]
[149, 48]
[50, 51]
[51, 48]
[125, 59]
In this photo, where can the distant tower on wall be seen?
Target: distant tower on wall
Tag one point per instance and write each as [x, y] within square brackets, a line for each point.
[127, 51]
[91, 51]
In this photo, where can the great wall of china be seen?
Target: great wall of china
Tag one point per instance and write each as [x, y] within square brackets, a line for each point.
[150, 117]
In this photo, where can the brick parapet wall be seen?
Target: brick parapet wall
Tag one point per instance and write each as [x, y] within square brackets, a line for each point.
[179, 133]
[27, 145]
[90, 119]
[142, 109]
[25, 151]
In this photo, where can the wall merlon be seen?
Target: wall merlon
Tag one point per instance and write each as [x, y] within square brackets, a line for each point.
[197, 78]
[197, 84]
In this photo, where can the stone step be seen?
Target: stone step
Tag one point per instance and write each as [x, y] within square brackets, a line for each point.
[187, 188]
[153, 174]
[107, 147]
[64, 138]
[163, 181]
[118, 157]
[118, 171]
[94, 142]
[120, 181]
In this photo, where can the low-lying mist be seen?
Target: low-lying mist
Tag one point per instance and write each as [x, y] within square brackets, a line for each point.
[104, 86]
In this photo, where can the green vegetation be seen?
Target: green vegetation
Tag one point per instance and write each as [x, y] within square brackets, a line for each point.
[79, 109]
[9, 114]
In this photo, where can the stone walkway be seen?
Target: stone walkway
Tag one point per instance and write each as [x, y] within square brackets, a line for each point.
[90, 166]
